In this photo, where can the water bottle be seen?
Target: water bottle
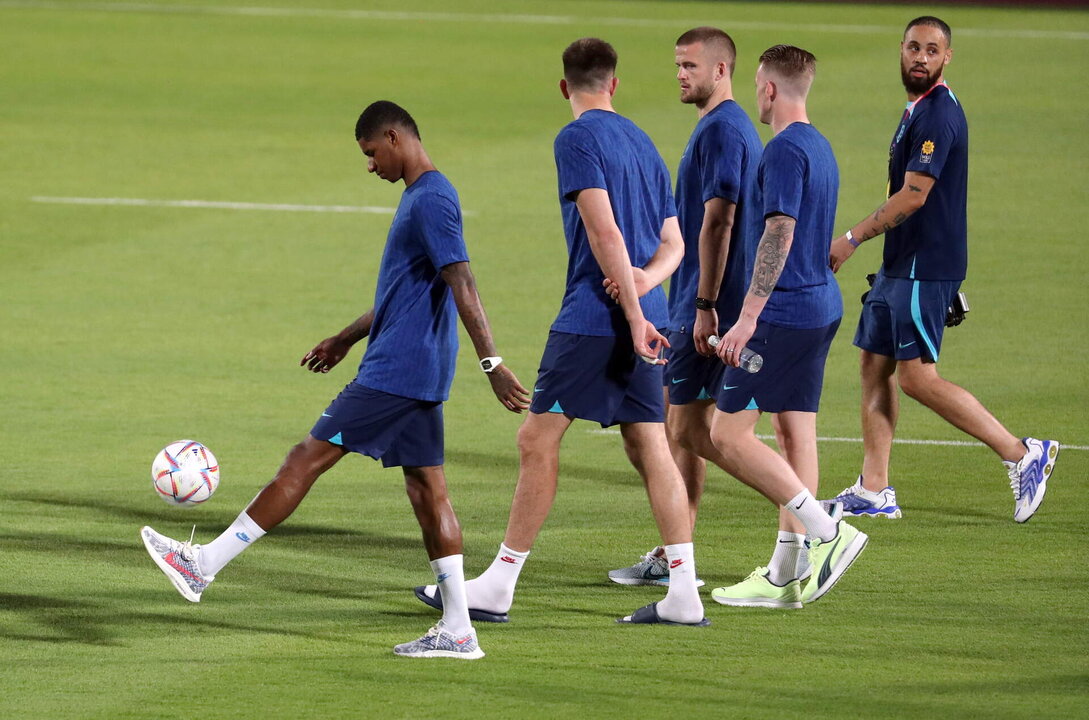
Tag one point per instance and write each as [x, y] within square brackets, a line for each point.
[750, 361]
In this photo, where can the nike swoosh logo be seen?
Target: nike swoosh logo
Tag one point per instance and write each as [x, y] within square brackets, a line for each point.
[826, 568]
[679, 381]
[326, 415]
[904, 345]
[729, 387]
[537, 389]
[786, 541]
[799, 505]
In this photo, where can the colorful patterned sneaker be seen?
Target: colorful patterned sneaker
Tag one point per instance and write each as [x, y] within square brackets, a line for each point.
[178, 560]
[860, 502]
[438, 643]
[1028, 478]
[758, 591]
[650, 570]
[831, 558]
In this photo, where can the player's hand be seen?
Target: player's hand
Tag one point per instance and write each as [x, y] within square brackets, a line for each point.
[648, 342]
[506, 387]
[840, 251]
[729, 347]
[642, 284]
[326, 355]
[706, 326]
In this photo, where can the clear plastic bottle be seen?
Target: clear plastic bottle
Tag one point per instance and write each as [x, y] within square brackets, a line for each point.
[750, 360]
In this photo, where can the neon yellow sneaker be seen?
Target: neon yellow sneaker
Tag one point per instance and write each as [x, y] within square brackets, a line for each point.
[758, 591]
[831, 558]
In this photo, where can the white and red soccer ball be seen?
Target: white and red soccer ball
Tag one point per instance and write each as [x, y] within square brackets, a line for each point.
[185, 473]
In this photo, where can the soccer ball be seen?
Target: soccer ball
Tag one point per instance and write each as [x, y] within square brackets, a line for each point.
[185, 473]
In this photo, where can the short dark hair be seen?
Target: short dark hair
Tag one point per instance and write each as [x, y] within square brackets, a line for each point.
[712, 36]
[380, 115]
[933, 22]
[588, 63]
[790, 62]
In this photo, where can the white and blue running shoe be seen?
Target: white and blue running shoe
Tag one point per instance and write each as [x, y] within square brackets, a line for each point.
[652, 569]
[1028, 478]
[857, 501]
[441, 643]
[179, 562]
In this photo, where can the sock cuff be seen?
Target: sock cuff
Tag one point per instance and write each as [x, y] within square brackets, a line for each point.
[679, 549]
[504, 550]
[798, 499]
[786, 536]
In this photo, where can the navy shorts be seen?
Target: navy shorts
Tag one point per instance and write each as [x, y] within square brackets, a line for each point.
[904, 318]
[792, 376]
[398, 430]
[597, 378]
[688, 375]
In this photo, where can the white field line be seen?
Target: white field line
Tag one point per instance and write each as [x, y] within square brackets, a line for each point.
[896, 441]
[514, 18]
[282, 207]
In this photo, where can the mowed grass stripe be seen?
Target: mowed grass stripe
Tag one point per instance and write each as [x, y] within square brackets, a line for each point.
[530, 19]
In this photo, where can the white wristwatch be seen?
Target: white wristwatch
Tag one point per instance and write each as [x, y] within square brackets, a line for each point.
[489, 364]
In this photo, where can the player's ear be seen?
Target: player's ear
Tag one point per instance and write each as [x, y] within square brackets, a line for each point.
[948, 56]
[392, 135]
[564, 90]
[612, 85]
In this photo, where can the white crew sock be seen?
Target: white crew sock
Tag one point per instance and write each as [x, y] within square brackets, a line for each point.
[783, 566]
[450, 575]
[817, 522]
[682, 601]
[493, 589]
[242, 532]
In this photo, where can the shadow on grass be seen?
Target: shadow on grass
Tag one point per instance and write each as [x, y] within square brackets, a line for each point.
[85, 623]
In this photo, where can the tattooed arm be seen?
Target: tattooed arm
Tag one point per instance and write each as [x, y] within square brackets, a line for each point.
[898, 208]
[771, 256]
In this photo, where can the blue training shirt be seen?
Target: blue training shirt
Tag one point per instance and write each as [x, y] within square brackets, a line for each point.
[720, 161]
[602, 149]
[413, 342]
[798, 177]
[932, 138]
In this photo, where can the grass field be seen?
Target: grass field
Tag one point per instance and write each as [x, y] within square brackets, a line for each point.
[125, 327]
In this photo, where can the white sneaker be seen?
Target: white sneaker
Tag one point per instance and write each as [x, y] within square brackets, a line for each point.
[1028, 478]
[178, 561]
[857, 501]
[652, 569]
[439, 643]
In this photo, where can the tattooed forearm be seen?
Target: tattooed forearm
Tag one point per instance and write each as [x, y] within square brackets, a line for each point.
[914, 188]
[771, 255]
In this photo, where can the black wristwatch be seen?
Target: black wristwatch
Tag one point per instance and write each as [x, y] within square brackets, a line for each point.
[704, 304]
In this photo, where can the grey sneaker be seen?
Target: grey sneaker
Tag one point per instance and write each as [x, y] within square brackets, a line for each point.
[178, 561]
[650, 570]
[438, 643]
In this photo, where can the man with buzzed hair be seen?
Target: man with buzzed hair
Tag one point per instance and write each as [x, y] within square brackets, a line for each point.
[789, 315]
[600, 362]
[393, 408]
[719, 220]
[925, 260]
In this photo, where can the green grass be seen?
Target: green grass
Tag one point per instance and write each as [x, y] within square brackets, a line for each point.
[125, 328]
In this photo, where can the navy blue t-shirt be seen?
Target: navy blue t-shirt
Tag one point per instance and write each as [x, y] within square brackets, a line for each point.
[799, 178]
[602, 149]
[413, 342]
[932, 138]
[720, 161]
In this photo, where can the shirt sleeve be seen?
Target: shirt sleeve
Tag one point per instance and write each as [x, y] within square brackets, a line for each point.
[578, 162]
[438, 219]
[668, 203]
[719, 153]
[933, 135]
[783, 178]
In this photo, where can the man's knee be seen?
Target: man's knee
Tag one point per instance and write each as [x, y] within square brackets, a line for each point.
[918, 381]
